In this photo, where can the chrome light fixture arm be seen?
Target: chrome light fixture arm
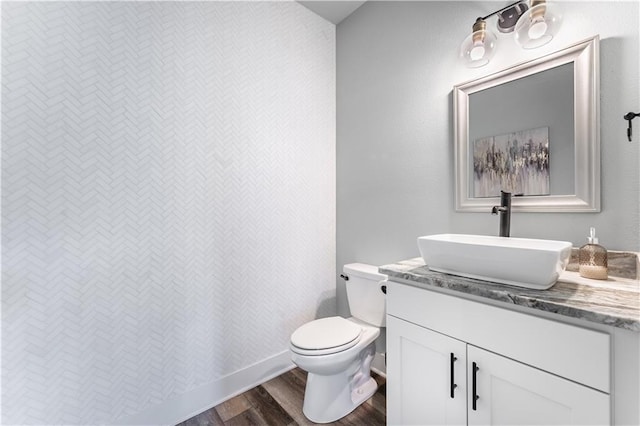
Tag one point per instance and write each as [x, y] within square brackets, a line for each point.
[520, 2]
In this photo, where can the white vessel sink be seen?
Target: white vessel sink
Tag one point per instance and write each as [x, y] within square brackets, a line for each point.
[520, 262]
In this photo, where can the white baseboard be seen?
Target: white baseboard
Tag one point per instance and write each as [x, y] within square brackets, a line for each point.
[379, 372]
[379, 365]
[187, 405]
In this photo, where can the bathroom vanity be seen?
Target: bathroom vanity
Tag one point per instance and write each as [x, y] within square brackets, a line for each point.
[464, 351]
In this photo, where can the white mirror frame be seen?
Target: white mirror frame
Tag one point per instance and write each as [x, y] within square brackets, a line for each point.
[586, 80]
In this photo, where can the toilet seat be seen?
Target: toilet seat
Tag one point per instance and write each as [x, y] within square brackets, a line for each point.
[325, 336]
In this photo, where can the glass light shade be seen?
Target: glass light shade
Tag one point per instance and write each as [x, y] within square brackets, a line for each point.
[478, 48]
[537, 26]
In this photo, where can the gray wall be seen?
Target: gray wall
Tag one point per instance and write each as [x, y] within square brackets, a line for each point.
[396, 66]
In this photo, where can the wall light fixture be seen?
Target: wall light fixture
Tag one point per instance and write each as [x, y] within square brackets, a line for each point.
[534, 23]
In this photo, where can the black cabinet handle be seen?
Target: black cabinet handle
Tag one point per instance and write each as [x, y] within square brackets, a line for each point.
[452, 359]
[475, 396]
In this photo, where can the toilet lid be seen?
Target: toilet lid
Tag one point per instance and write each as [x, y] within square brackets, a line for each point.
[326, 333]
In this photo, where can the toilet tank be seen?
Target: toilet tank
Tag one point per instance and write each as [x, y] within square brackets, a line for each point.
[367, 302]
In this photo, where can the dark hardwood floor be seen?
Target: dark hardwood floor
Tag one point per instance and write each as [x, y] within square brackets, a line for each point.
[279, 402]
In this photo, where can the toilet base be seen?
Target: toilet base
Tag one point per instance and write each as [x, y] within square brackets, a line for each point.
[329, 398]
[364, 392]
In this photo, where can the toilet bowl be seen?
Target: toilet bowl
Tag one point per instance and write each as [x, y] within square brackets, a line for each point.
[337, 352]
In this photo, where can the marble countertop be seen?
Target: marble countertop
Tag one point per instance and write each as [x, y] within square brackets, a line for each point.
[614, 302]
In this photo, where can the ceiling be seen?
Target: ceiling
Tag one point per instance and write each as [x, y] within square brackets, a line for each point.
[332, 11]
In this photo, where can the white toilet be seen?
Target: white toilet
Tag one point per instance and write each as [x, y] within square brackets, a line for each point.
[337, 352]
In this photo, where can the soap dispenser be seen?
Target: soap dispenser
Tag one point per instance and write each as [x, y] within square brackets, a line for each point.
[593, 258]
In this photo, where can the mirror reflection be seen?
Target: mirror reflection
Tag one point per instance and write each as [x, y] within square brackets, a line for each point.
[508, 114]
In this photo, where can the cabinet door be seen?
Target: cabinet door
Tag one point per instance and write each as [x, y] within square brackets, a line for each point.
[511, 393]
[426, 376]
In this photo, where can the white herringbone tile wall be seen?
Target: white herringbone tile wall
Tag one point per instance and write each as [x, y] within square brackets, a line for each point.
[168, 198]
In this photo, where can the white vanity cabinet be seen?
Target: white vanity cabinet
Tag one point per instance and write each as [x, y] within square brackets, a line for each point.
[512, 393]
[426, 376]
[528, 370]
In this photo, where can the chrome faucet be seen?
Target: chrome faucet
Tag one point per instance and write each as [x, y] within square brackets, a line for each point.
[504, 210]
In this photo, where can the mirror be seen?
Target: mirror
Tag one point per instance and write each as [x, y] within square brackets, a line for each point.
[531, 129]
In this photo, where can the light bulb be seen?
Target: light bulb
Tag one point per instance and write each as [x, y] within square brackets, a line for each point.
[477, 52]
[478, 48]
[538, 29]
[538, 25]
